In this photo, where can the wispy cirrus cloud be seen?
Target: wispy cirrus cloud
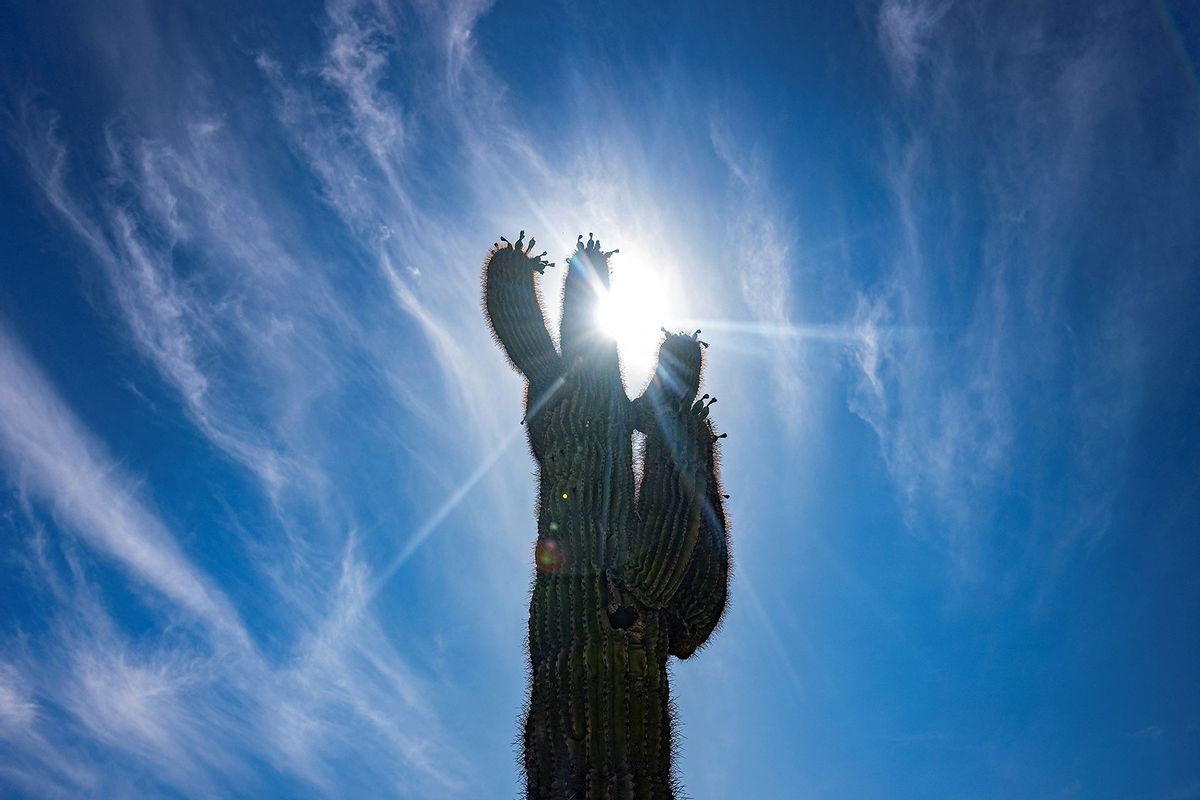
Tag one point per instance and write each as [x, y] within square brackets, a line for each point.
[219, 282]
[954, 409]
[905, 28]
[240, 327]
[49, 455]
[229, 320]
[198, 705]
[174, 325]
[244, 333]
[764, 259]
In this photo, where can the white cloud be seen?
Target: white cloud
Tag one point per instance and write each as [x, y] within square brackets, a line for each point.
[247, 324]
[173, 326]
[1000, 377]
[127, 716]
[194, 715]
[904, 29]
[49, 454]
[17, 707]
[762, 254]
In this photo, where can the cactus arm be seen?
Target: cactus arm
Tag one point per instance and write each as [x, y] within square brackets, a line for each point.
[586, 284]
[696, 608]
[680, 559]
[674, 384]
[514, 311]
[668, 511]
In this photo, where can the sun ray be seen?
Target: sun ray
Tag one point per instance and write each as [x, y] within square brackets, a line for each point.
[820, 332]
[435, 519]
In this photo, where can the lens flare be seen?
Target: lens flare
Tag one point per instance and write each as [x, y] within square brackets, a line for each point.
[548, 557]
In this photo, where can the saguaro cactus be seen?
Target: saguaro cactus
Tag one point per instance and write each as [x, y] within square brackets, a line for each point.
[626, 575]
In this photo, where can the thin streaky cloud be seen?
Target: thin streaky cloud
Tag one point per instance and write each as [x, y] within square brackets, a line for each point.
[948, 408]
[972, 222]
[764, 260]
[904, 29]
[49, 454]
[169, 325]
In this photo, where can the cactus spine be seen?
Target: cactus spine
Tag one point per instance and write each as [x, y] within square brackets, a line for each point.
[625, 575]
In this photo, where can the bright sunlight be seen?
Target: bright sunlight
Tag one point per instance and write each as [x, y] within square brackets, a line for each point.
[633, 312]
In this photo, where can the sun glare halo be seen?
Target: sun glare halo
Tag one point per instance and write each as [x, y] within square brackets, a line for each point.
[632, 312]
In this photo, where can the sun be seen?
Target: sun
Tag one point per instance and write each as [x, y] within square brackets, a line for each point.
[633, 312]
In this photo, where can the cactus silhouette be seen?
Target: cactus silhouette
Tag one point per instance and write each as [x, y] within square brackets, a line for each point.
[627, 572]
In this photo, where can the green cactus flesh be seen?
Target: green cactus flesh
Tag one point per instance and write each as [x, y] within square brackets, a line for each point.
[627, 572]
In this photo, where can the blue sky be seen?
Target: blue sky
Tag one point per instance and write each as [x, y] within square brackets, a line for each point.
[267, 509]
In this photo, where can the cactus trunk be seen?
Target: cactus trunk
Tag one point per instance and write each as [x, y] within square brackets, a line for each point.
[627, 574]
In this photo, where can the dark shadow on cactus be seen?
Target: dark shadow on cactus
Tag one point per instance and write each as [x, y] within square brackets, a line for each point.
[625, 576]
